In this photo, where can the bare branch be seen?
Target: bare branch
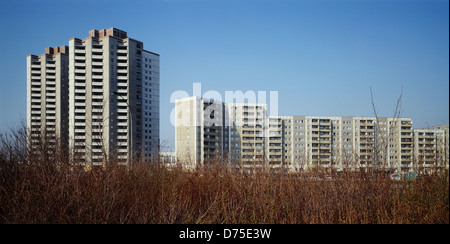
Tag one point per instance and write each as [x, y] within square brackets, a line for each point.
[373, 104]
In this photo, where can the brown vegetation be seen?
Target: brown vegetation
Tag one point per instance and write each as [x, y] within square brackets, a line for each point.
[46, 190]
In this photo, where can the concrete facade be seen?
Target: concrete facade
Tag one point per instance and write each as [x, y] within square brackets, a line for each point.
[102, 97]
[249, 138]
[114, 98]
[199, 130]
[47, 98]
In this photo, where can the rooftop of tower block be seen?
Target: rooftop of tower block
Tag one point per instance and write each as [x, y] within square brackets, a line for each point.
[56, 50]
[108, 32]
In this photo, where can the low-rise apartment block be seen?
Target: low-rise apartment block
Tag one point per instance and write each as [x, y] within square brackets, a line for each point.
[199, 130]
[431, 147]
[245, 134]
[247, 138]
[346, 142]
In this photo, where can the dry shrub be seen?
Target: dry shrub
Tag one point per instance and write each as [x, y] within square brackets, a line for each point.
[49, 190]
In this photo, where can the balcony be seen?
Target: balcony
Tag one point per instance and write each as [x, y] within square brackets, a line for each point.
[122, 138]
[80, 71]
[97, 96]
[80, 130]
[50, 107]
[97, 82]
[80, 110]
[125, 124]
[122, 104]
[122, 130]
[123, 117]
[80, 51]
[125, 111]
[123, 144]
[122, 85]
[325, 122]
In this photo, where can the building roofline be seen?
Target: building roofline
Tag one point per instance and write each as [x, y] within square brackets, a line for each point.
[151, 52]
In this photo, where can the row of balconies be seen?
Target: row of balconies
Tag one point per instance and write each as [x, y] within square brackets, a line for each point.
[426, 145]
[122, 51]
[321, 122]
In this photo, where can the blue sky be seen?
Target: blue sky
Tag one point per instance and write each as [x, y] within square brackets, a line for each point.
[321, 56]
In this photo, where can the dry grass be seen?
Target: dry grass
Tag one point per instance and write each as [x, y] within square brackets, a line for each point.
[46, 190]
[153, 194]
